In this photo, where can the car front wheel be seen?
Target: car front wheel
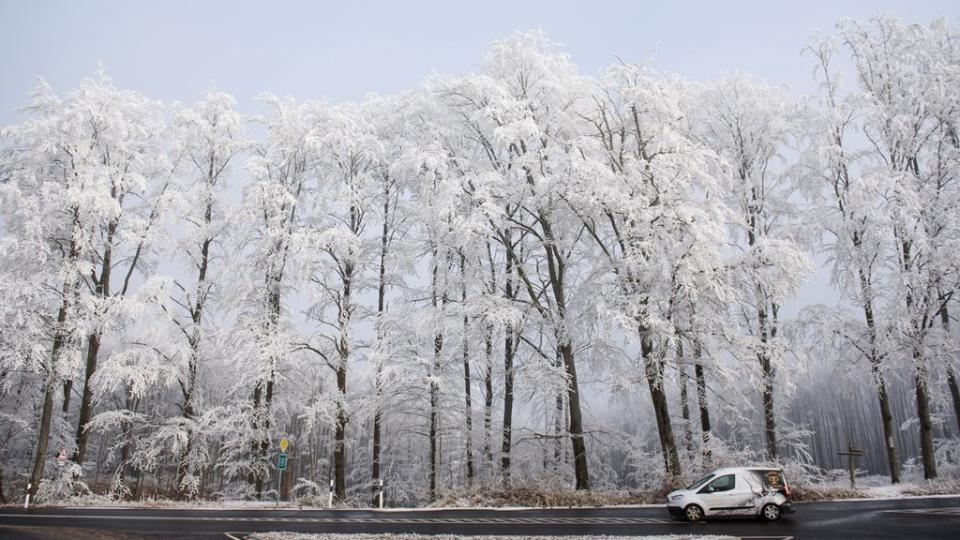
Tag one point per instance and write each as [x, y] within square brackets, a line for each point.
[693, 513]
[770, 512]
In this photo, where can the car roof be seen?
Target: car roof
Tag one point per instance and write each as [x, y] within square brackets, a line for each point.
[729, 470]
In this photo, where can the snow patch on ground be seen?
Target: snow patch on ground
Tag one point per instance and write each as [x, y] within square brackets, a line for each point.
[875, 487]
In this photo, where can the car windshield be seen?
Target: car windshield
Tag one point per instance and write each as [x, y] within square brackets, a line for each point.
[700, 482]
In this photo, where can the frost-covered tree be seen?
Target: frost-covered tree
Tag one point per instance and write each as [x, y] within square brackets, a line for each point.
[749, 125]
[649, 203]
[334, 224]
[209, 136]
[906, 77]
[269, 219]
[845, 203]
[522, 113]
[97, 156]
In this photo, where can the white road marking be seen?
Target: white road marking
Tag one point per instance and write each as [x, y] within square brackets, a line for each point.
[947, 511]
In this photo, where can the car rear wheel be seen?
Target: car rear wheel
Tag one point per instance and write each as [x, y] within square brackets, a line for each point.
[770, 512]
[693, 513]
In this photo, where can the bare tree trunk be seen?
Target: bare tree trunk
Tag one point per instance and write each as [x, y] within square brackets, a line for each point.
[488, 373]
[189, 388]
[653, 369]
[123, 468]
[102, 288]
[556, 267]
[684, 399]
[509, 347]
[880, 384]
[344, 318]
[43, 440]
[263, 396]
[702, 403]
[434, 387]
[769, 419]
[558, 414]
[86, 401]
[488, 398]
[50, 382]
[919, 374]
[951, 375]
[926, 425]
[466, 372]
[381, 315]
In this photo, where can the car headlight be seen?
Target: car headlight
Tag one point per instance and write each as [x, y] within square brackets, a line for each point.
[676, 497]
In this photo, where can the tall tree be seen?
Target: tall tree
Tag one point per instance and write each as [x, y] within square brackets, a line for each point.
[280, 168]
[209, 136]
[749, 125]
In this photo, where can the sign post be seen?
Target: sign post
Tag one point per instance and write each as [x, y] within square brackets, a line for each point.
[852, 454]
[281, 465]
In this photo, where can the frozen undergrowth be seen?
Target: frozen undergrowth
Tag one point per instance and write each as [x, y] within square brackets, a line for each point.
[875, 487]
[303, 536]
[834, 488]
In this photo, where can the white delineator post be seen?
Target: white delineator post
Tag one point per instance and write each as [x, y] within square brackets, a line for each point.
[279, 479]
[26, 502]
[330, 500]
[380, 493]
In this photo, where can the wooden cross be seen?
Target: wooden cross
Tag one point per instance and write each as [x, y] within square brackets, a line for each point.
[852, 454]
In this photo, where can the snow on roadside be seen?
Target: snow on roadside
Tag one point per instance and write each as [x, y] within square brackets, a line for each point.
[308, 536]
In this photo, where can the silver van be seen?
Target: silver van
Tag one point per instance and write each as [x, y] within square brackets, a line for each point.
[733, 491]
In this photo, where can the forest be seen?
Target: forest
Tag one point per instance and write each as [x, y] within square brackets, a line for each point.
[522, 276]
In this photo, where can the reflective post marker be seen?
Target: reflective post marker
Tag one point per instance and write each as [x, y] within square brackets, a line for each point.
[26, 502]
[330, 500]
[380, 493]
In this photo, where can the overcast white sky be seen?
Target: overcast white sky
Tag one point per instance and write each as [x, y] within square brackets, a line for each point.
[174, 50]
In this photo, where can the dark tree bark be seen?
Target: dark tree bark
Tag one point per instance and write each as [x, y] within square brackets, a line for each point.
[509, 348]
[488, 398]
[653, 369]
[927, 455]
[488, 372]
[879, 382]
[344, 321]
[381, 314]
[702, 403]
[102, 290]
[189, 387]
[50, 380]
[467, 384]
[438, 302]
[684, 400]
[951, 374]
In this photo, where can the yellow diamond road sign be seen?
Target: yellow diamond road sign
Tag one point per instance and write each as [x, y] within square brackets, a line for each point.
[284, 444]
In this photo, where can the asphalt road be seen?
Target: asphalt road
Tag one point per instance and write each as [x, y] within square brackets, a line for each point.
[915, 519]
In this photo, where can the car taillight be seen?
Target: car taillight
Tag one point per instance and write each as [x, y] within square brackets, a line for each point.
[786, 489]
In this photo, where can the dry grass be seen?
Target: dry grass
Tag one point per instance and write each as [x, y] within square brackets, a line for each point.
[532, 496]
[942, 487]
[812, 494]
